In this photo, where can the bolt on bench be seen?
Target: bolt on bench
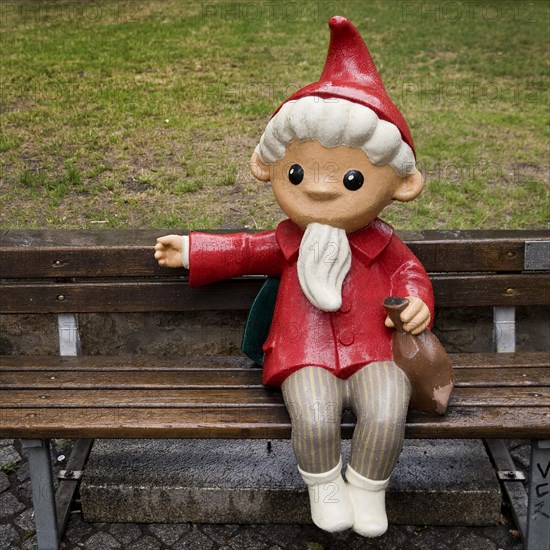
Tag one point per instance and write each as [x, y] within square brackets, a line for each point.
[499, 394]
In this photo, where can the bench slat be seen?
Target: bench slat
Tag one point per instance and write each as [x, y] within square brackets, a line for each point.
[254, 422]
[232, 379]
[220, 397]
[501, 397]
[118, 296]
[204, 378]
[159, 363]
[130, 362]
[500, 360]
[154, 398]
[481, 377]
[238, 294]
[123, 253]
[482, 422]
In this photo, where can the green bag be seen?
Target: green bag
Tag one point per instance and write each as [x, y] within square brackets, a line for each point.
[259, 320]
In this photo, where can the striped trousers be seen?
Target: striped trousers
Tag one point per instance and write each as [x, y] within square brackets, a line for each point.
[378, 395]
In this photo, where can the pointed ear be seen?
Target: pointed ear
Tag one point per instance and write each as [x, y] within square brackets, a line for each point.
[411, 186]
[259, 169]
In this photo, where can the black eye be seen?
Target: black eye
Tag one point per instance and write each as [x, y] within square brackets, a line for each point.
[296, 174]
[353, 180]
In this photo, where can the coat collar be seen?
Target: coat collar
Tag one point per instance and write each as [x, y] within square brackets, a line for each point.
[368, 242]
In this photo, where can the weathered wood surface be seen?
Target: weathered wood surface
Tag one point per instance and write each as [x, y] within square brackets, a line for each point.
[229, 397]
[496, 395]
[452, 290]
[123, 253]
[250, 421]
[143, 363]
[227, 378]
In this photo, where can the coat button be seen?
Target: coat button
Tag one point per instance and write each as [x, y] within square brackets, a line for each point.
[346, 307]
[346, 338]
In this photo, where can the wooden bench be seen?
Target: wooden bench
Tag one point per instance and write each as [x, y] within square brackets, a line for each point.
[499, 393]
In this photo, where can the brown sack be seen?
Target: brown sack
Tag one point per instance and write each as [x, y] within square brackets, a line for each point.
[423, 360]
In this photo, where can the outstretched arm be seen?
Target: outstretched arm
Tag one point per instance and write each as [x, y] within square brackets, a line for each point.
[216, 257]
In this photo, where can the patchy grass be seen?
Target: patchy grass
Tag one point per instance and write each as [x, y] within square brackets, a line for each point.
[144, 113]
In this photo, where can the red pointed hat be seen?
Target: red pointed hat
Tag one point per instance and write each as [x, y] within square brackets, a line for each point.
[350, 73]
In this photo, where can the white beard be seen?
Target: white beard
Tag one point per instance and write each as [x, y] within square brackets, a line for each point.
[323, 263]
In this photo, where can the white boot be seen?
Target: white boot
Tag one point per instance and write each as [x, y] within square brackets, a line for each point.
[369, 503]
[331, 506]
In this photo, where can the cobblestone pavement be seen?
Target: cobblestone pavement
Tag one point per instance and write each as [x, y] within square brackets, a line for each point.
[17, 526]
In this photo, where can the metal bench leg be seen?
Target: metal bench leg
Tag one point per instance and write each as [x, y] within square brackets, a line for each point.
[538, 517]
[511, 481]
[43, 496]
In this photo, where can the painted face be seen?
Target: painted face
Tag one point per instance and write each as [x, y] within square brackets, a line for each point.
[337, 186]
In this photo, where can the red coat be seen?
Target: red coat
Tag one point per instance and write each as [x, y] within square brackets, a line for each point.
[302, 335]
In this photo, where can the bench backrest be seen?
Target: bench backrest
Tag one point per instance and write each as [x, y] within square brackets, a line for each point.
[61, 271]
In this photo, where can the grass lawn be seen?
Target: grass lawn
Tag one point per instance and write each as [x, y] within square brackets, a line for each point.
[144, 113]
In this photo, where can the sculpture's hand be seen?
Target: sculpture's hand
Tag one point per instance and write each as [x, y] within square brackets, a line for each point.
[416, 316]
[169, 251]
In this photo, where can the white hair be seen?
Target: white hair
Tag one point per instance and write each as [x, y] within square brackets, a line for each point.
[336, 122]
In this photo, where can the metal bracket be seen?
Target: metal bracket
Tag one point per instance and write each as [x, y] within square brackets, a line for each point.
[70, 474]
[69, 337]
[510, 475]
[537, 255]
[504, 329]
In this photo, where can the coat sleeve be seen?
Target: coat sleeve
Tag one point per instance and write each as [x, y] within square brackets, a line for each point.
[217, 257]
[409, 278]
